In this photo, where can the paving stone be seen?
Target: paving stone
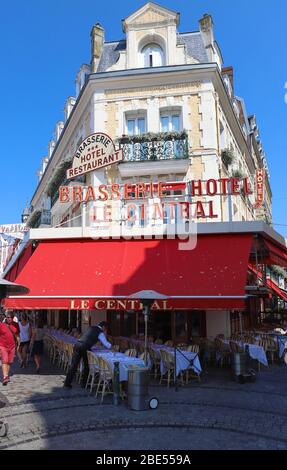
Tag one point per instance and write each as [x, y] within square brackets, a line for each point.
[216, 414]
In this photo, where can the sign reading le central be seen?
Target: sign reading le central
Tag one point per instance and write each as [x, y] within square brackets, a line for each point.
[96, 151]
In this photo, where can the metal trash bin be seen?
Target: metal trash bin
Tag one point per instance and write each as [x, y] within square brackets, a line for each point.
[240, 371]
[239, 366]
[138, 381]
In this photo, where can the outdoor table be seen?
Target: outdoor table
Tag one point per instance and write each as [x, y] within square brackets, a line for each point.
[255, 352]
[125, 362]
[183, 359]
[281, 343]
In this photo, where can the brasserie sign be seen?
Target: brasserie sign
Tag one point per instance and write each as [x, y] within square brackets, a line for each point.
[95, 152]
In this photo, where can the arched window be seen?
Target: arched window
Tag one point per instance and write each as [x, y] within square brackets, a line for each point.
[152, 56]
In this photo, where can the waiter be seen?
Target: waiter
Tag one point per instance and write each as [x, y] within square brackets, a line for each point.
[84, 344]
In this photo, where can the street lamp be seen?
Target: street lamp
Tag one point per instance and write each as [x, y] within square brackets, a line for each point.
[147, 298]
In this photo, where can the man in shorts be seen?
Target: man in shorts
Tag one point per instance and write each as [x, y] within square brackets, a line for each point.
[9, 341]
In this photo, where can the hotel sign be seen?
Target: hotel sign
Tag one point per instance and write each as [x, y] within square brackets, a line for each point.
[96, 151]
[260, 174]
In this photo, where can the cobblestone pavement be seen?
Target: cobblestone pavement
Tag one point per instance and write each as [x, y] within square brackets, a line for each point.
[215, 414]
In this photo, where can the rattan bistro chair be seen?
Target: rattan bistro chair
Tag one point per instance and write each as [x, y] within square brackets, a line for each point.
[105, 383]
[93, 370]
[131, 352]
[168, 364]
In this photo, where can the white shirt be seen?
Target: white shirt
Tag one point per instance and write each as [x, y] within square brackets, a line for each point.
[104, 341]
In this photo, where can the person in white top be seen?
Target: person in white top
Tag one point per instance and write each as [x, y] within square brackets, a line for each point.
[25, 339]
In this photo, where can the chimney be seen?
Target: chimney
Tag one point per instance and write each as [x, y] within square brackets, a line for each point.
[206, 29]
[51, 147]
[97, 39]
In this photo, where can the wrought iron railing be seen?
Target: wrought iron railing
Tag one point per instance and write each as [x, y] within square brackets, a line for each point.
[43, 219]
[158, 147]
[39, 218]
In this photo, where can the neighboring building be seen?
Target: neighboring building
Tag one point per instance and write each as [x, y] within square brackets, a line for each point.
[167, 101]
[10, 237]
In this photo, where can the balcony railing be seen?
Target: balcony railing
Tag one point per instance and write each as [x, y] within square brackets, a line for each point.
[39, 218]
[154, 147]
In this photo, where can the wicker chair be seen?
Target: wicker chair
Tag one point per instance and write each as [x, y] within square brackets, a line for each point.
[93, 370]
[105, 378]
[168, 363]
[131, 352]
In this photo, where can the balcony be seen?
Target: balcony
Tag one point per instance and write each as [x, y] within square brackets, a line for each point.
[40, 218]
[144, 154]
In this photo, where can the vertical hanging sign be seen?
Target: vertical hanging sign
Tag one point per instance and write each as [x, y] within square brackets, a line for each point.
[260, 175]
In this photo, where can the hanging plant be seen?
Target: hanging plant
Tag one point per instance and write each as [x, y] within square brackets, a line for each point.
[58, 177]
[33, 219]
[152, 137]
[237, 174]
[227, 156]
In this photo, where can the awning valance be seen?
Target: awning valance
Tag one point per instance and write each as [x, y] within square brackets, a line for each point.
[70, 274]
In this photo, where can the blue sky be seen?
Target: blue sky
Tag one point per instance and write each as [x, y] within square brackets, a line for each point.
[43, 44]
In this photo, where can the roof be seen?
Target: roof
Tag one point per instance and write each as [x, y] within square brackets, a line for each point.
[194, 46]
[193, 42]
[110, 54]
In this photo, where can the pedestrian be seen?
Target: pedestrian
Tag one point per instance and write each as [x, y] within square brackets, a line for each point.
[37, 344]
[9, 341]
[25, 338]
[84, 344]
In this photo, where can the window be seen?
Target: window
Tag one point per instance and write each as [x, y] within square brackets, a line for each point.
[170, 121]
[135, 125]
[222, 137]
[152, 56]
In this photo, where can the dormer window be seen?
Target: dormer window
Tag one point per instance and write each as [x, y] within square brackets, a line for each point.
[152, 56]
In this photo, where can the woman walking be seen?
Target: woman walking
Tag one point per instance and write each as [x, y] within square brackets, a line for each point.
[25, 338]
[9, 340]
[38, 344]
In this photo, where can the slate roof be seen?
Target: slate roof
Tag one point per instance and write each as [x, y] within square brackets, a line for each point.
[110, 54]
[193, 42]
[194, 46]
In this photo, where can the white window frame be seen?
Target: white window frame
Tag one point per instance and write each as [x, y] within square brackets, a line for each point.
[169, 113]
[148, 55]
[135, 117]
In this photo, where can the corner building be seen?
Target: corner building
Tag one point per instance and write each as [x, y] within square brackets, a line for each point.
[167, 100]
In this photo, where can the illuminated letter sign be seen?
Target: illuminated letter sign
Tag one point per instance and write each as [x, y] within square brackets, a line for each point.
[96, 151]
[260, 175]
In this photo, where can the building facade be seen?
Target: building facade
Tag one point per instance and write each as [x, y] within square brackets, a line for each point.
[165, 98]
[169, 104]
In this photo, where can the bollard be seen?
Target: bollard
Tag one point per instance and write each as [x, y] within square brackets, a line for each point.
[116, 387]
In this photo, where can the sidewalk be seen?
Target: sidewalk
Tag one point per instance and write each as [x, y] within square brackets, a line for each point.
[216, 414]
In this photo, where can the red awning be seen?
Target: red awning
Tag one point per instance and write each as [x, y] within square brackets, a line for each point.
[211, 276]
[270, 283]
[19, 264]
[277, 254]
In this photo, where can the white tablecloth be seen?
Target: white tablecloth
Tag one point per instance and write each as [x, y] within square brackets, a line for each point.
[184, 359]
[124, 361]
[255, 351]
[281, 341]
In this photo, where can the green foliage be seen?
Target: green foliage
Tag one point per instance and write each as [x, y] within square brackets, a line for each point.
[58, 177]
[33, 219]
[152, 137]
[227, 156]
[237, 174]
